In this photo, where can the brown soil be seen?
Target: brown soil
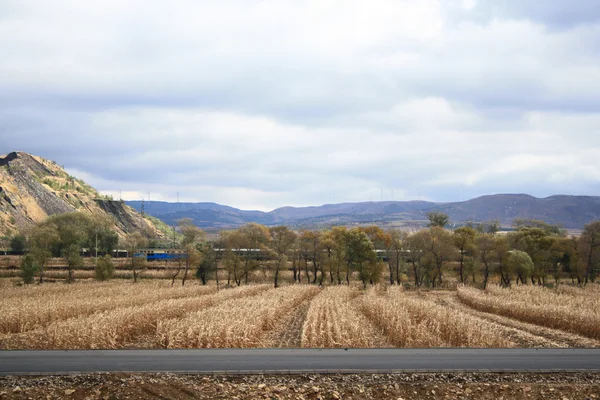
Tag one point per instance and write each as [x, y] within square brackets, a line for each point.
[288, 332]
[396, 386]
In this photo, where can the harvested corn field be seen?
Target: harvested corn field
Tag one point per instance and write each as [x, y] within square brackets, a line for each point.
[571, 309]
[153, 314]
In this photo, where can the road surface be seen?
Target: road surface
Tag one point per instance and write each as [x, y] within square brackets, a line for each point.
[257, 361]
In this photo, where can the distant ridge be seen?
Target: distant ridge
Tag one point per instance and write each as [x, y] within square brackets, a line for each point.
[571, 212]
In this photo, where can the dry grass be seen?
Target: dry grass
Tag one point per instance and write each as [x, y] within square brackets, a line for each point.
[239, 322]
[417, 322]
[585, 291]
[27, 308]
[123, 326]
[333, 321]
[576, 311]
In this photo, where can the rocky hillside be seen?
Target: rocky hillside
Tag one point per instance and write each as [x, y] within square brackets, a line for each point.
[32, 188]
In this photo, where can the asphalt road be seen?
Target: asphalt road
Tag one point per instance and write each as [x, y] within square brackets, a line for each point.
[256, 361]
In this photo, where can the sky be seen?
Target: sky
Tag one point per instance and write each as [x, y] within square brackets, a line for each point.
[263, 104]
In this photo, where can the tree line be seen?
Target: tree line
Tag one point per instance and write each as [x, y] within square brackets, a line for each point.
[534, 252]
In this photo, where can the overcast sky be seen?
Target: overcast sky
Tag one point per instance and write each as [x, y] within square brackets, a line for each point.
[262, 104]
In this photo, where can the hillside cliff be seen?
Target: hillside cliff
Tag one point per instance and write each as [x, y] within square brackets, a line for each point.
[32, 189]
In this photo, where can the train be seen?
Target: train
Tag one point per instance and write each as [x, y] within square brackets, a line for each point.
[161, 254]
[164, 254]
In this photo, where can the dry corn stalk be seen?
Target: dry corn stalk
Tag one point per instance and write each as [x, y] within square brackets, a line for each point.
[570, 312]
[417, 322]
[120, 327]
[239, 322]
[333, 321]
[37, 306]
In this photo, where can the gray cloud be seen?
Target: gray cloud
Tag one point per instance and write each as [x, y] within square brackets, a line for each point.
[555, 14]
[260, 105]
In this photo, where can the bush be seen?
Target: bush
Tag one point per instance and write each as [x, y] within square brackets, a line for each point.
[17, 243]
[28, 269]
[105, 268]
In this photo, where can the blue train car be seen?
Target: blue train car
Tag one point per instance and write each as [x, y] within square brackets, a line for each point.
[161, 254]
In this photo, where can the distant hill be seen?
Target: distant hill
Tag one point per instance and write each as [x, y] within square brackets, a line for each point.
[571, 212]
[32, 188]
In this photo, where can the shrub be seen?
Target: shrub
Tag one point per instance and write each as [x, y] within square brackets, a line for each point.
[28, 269]
[17, 243]
[105, 268]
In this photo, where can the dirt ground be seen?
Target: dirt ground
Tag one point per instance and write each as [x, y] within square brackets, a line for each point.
[397, 386]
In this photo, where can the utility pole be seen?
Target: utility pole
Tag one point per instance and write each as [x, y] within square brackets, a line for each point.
[142, 208]
[96, 247]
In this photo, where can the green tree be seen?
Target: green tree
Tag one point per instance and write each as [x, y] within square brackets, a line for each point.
[18, 243]
[463, 239]
[537, 242]
[208, 264]
[311, 247]
[256, 237]
[100, 235]
[384, 241]
[521, 264]
[589, 244]
[438, 219]
[570, 262]
[72, 230]
[362, 257]
[73, 259]
[282, 240]
[502, 254]
[334, 242]
[486, 246]
[105, 268]
[41, 239]
[28, 269]
[491, 227]
[551, 230]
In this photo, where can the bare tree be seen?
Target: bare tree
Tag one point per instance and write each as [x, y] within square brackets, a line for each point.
[192, 236]
[133, 242]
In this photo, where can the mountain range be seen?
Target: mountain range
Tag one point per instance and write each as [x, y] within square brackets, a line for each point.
[33, 188]
[570, 212]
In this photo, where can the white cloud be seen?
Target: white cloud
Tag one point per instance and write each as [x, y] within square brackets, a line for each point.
[468, 4]
[264, 104]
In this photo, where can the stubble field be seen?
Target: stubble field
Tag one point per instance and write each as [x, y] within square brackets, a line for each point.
[152, 314]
